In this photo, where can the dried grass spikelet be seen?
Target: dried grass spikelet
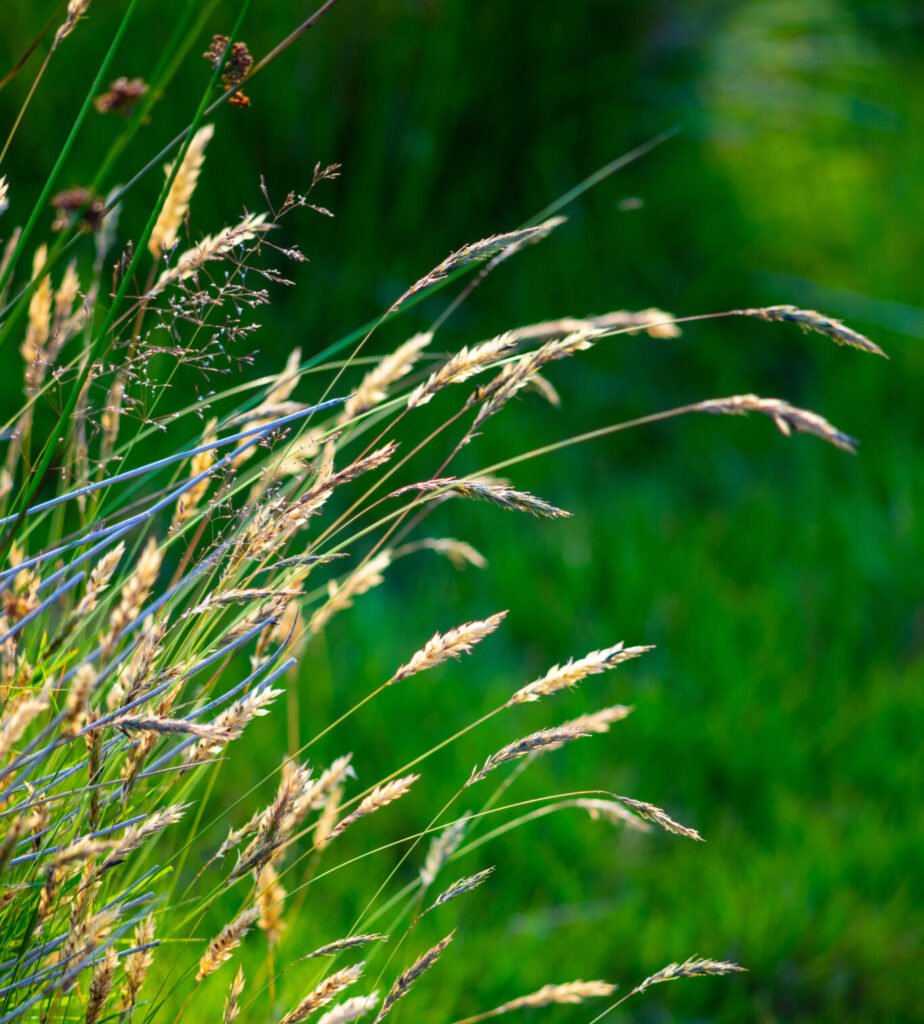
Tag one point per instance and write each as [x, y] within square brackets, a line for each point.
[571, 993]
[212, 247]
[655, 322]
[101, 985]
[270, 896]
[544, 739]
[136, 590]
[138, 963]
[201, 462]
[184, 184]
[76, 9]
[4, 194]
[364, 579]
[561, 677]
[99, 579]
[695, 967]
[327, 819]
[87, 935]
[39, 324]
[351, 942]
[494, 492]
[459, 552]
[810, 320]
[442, 847]
[380, 797]
[233, 1002]
[494, 248]
[658, 817]
[18, 715]
[460, 887]
[233, 721]
[394, 367]
[350, 1009]
[219, 950]
[463, 365]
[451, 644]
[406, 979]
[786, 417]
[599, 722]
[77, 703]
[136, 835]
[611, 811]
[324, 993]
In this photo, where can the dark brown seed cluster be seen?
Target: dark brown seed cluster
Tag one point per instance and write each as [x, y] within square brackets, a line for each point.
[236, 68]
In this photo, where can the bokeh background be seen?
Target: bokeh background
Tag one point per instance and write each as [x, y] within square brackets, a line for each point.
[780, 579]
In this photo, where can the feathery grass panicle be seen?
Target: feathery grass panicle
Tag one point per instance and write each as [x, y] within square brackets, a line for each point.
[494, 492]
[350, 1009]
[451, 644]
[544, 739]
[341, 944]
[100, 576]
[380, 797]
[276, 822]
[695, 967]
[561, 677]
[658, 817]
[406, 979]
[233, 1000]
[786, 417]
[811, 320]
[138, 963]
[491, 248]
[329, 988]
[442, 847]
[517, 375]
[393, 368]
[136, 589]
[221, 948]
[570, 992]
[460, 887]
[184, 184]
[463, 365]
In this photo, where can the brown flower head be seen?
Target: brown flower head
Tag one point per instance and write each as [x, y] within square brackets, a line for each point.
[122, 96]
[82, 201]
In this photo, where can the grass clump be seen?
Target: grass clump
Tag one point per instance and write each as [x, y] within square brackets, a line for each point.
[154, 609]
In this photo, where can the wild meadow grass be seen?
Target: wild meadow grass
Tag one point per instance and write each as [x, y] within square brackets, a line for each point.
[155, 609]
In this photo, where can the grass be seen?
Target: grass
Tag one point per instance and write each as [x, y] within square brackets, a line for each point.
[701, 695]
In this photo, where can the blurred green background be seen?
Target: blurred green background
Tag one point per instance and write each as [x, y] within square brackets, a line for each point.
[779, 578]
